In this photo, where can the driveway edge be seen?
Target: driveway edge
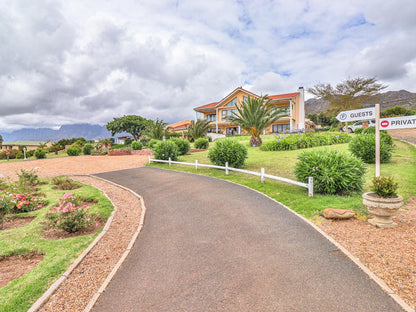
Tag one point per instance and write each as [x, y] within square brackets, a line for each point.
[354, 259]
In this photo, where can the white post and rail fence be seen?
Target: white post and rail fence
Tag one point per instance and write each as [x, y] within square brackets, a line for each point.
[227, 169]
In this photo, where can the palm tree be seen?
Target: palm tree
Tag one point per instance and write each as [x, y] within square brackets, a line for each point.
[254, 115]
[198, 129]
[157, 130]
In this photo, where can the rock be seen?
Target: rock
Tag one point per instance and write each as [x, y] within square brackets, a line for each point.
[331, 213]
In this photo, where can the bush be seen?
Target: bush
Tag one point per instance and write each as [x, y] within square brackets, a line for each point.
[25, 202]
[165, 149]
[69, 215]
[183, 145]
[201, 143]
[152, 143]
[86, 150]
[229, 151]
[65, 183]
[333, 172]
[383, 134]
[136, 145]
[40, 154]
[128, 141]
[385, 187]
[73, 151]
[30, 153]
[6, 205]
[20, 155]
[364, 145]
[28, 177]
[358, 131]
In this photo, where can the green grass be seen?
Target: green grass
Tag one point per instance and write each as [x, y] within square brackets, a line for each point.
[282, 163]
[21, 293]
[48, 155]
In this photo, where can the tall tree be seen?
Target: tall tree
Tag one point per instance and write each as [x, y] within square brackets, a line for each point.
[349, 94]
[133, 124]
[1, 140]
[256, 114]
[198, 129]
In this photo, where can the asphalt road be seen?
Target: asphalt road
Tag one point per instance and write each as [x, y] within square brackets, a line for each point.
[210, 245]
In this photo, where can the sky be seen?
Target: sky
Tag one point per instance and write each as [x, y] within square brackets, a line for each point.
[66, 62]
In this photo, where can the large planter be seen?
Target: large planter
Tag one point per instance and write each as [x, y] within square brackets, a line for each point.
[382, 209]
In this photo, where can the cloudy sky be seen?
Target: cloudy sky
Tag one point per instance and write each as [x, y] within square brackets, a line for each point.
[64, 62]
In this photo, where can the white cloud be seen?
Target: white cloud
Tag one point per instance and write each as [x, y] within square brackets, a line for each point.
[77, 61]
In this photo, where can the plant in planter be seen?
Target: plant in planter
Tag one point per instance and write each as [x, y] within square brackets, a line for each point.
[383, 202]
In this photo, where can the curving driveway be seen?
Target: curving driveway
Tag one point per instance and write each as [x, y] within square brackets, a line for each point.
[210, 245]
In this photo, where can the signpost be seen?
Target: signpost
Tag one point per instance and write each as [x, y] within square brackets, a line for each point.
[357, 114]
[402, 122]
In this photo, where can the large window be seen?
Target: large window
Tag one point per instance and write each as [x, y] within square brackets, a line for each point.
[228, 112]
[199, 115]
[211, 117]
[233, 102]
[280, 128]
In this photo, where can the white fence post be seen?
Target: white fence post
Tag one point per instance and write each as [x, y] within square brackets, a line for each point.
[262, 175]
[310, 186]
[150, 160]
[170, 162]
[196, 164]
[226, 168]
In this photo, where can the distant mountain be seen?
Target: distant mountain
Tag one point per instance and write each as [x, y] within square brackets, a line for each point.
[87, 131]
[388, 99]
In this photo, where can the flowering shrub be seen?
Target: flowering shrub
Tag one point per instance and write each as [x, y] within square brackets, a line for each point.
[69, 215]
[26, 202]
[6, 205]
[299, 140]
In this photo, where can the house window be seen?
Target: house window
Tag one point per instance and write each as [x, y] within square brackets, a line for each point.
[199, 115]
[211, 117]
[285, 109]
[233, 102]
[228, 112]
[280, 128]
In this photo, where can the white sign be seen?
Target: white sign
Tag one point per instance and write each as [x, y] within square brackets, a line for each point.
[357, 114]
[398, 122]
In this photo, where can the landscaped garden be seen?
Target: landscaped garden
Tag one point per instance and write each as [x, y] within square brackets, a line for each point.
[47, 224]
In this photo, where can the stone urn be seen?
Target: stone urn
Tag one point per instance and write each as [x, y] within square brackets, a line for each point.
[382, 209]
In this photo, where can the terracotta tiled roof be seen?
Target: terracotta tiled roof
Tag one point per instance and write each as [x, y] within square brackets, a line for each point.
[283, 96]
[180, 124]
[207, 105]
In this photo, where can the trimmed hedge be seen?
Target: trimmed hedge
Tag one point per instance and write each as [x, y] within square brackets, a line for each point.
[333, 172]
[286, 142]
[230, 151]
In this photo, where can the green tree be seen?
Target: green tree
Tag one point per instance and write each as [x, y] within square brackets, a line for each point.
[157, 129]
[397, 111]
[254, 115]
[133, 124]
[198, 129]
[349, 94]
[1, 140]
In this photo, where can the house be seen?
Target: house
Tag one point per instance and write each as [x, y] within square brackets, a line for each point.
[19, 145]
[179, 127]
[217, 112]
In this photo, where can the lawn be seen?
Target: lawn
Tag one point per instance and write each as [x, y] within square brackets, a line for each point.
[21, 293]
[282, 163]
[61, 153]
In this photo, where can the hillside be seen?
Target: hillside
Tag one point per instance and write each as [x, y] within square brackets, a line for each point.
[388, 99]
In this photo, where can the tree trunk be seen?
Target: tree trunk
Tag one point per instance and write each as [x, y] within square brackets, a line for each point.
[255, 141]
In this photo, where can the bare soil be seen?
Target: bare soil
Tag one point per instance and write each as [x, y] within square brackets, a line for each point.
[59, 234]
[15, 222]
[13, 267]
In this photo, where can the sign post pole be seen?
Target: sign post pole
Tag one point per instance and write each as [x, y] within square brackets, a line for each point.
[377, 113]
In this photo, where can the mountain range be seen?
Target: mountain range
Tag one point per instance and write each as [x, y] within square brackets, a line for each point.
[87, 131]
[387, 99]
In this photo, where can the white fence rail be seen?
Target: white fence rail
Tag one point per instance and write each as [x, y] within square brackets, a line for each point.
[260, 174]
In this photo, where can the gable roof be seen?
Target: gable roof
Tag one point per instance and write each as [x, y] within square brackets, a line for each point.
[228, 96]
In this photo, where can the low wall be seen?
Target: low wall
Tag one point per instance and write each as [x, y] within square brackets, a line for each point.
[129, 152]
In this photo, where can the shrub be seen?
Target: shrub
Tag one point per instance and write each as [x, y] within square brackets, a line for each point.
[86, 150]
[26, 202]
[383, 134]
[20, 155]
[30, 153]
[364, 145]
[201, 143]
[229, 151]
[358, 130]
[333, 172]
[128, 141]
[6, 205]
[28, 177]
[152, 143]
[183, 145]
[40, 154]
[385, 187]
[117, 146]
[165, 149]
[65, 183]
[73, 151]
[136, 145]
[69, 215]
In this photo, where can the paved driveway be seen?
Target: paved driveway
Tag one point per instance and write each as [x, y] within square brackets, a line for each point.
[209, 245]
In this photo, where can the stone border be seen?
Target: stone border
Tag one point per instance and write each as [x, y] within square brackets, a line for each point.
[354, 259]
[51, 290]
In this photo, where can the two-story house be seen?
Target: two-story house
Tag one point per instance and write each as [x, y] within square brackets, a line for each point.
[218, 111]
